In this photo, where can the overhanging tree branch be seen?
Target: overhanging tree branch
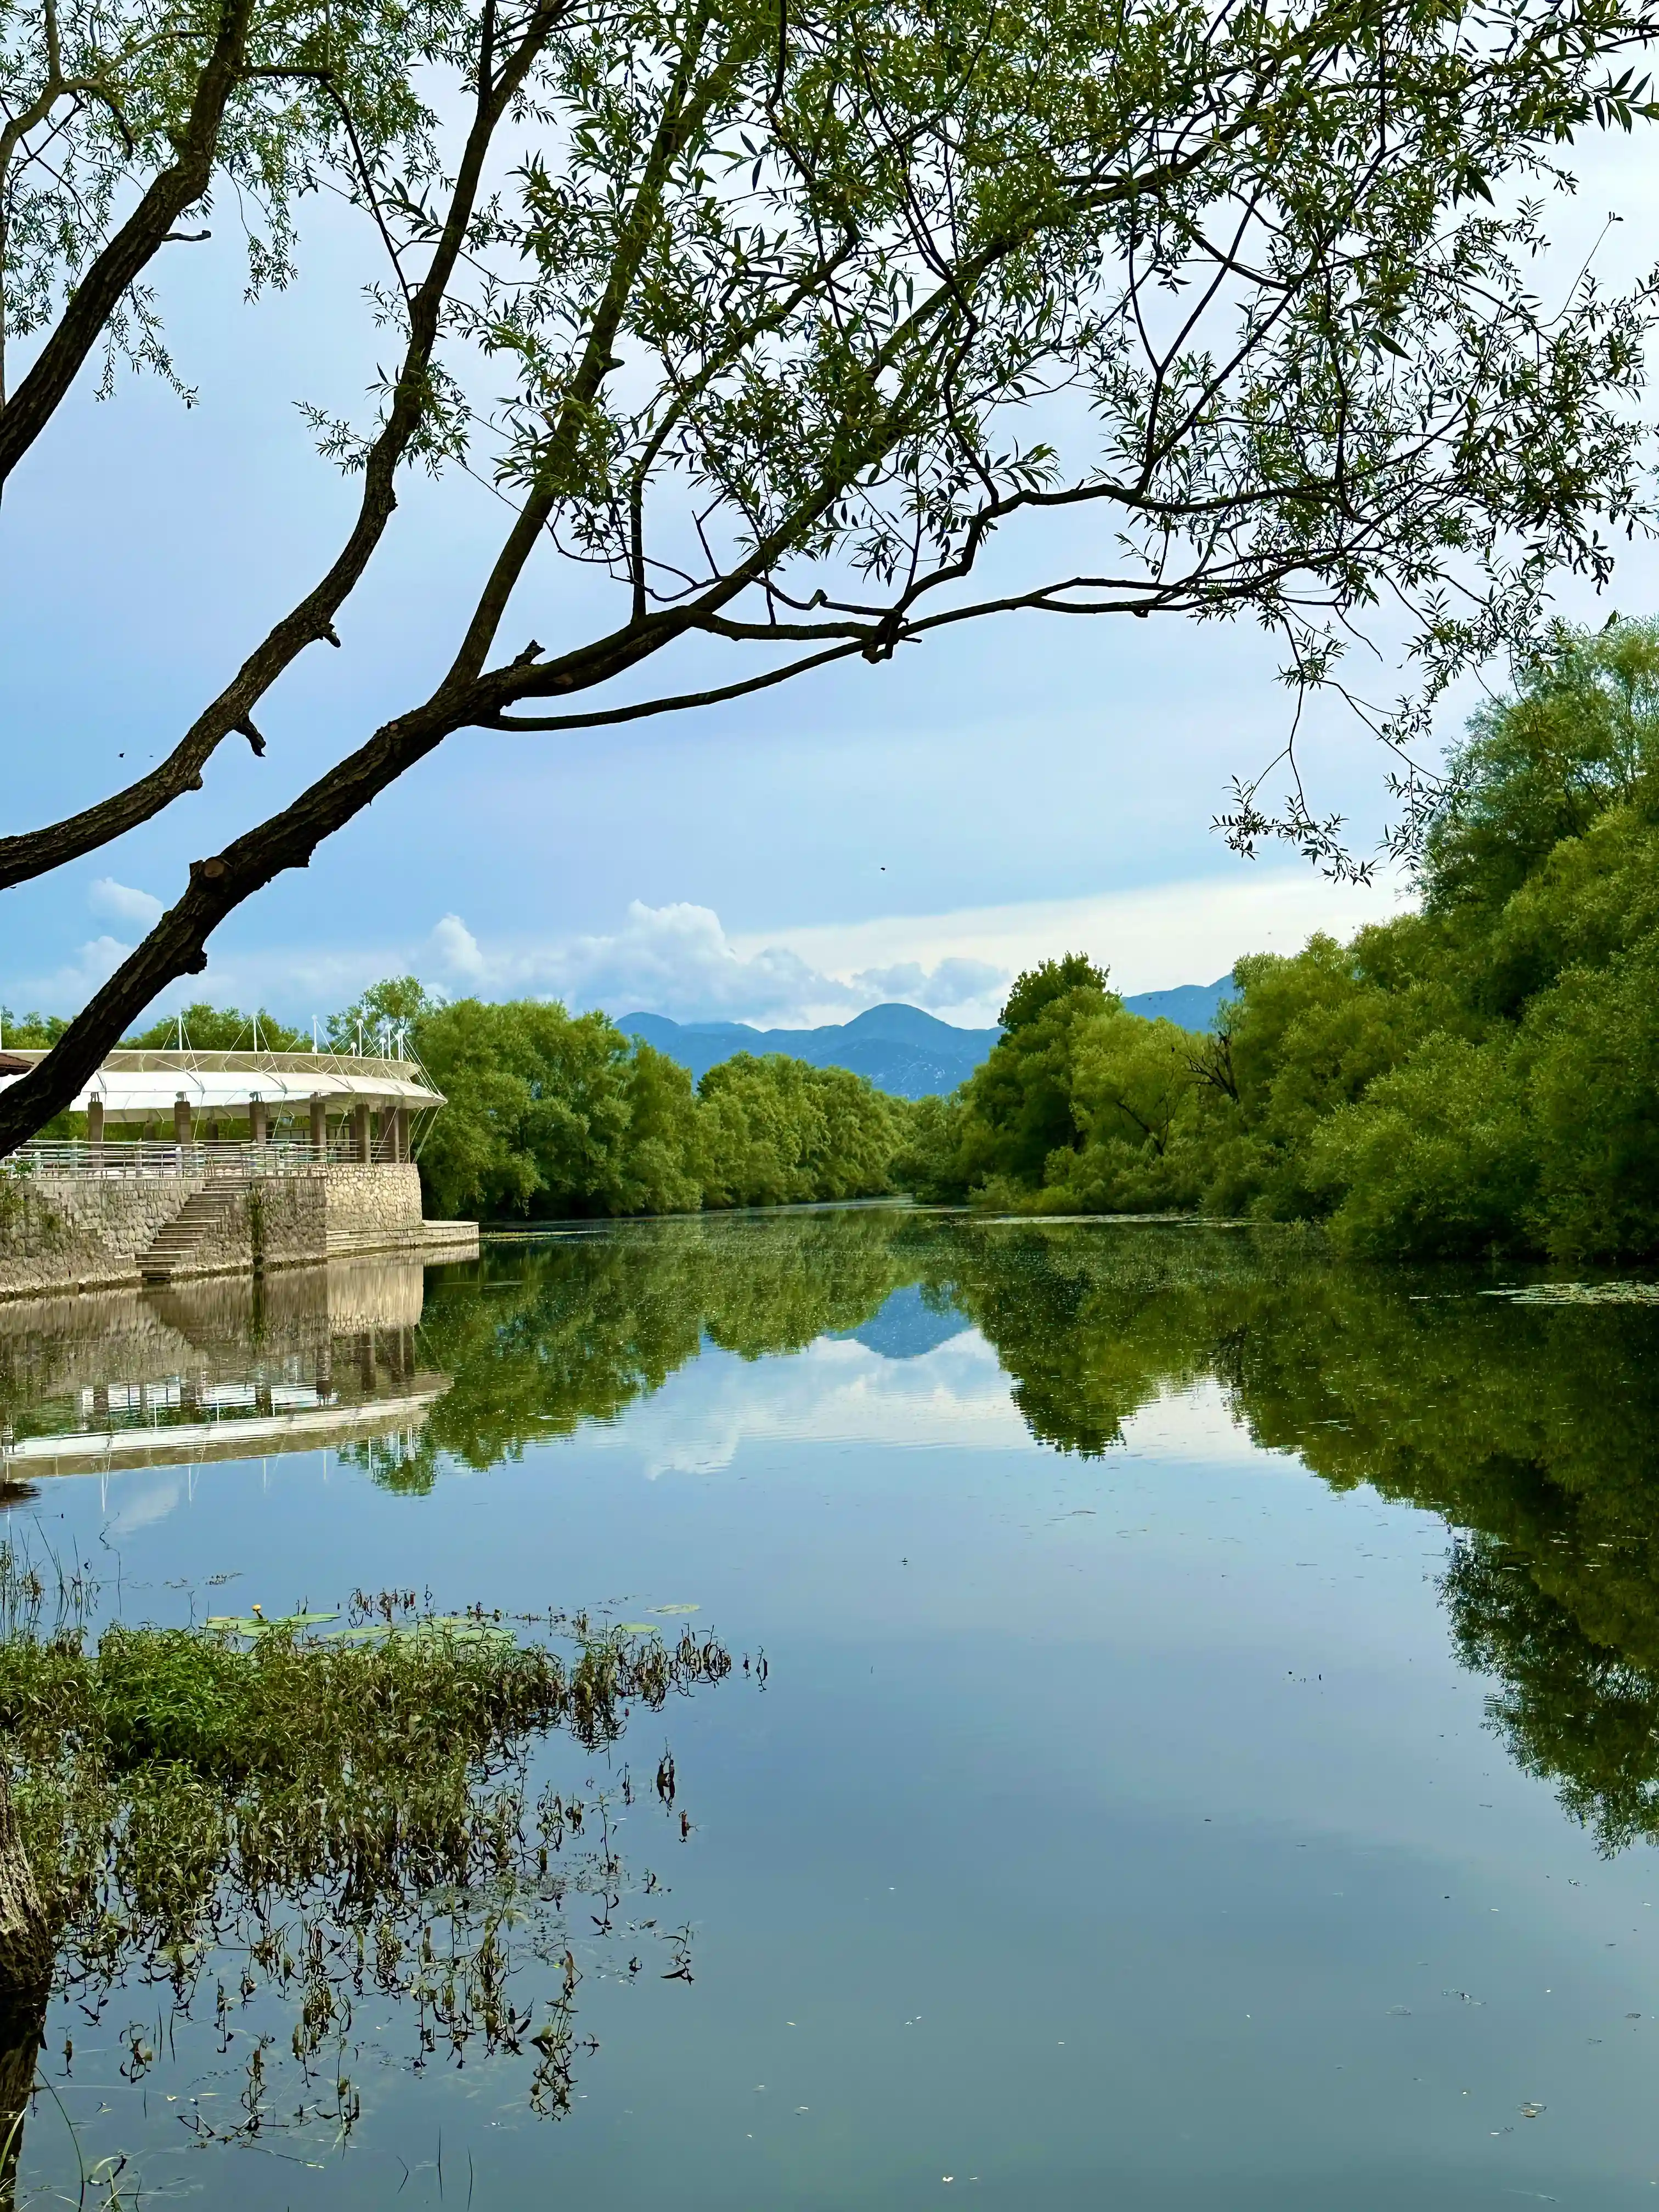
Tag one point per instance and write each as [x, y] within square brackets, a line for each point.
[311, 621]
[134, 245]
[807, 321]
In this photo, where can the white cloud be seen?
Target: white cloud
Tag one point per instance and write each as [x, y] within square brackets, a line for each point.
[952, 983]
[458, 951]
[671, 959]
[67, 988]
[680, 956]
[122, 902]
[1151, 939]
[679, 960]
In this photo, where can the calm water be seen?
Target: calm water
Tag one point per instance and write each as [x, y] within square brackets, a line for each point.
[1208, 1753]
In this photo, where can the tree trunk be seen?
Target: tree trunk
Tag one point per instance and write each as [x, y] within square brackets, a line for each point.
[26, 1956]
[26, 1945]
[22, 2032]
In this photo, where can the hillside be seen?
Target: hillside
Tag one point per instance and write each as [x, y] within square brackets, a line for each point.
[1192, 1005]
[900, 1048]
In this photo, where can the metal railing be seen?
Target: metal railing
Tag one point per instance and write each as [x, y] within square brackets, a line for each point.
[213, 1161]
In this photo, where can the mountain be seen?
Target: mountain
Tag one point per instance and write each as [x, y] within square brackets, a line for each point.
[907, 1327]
[900, 1048]
[1193, 1005]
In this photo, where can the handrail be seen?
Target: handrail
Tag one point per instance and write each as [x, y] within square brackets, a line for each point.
[211, 1160]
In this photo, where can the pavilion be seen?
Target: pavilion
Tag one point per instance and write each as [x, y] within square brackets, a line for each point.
[317, 1105]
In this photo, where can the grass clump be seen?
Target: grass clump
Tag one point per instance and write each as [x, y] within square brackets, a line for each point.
[283, 1819]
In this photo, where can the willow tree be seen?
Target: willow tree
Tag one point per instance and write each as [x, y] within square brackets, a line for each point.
[781, 314]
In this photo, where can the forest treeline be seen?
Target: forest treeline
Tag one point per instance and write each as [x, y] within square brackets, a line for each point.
[1482, 1074]
[551, 1116]
[552, 1113]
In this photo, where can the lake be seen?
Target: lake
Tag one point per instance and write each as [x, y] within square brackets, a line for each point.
[1193, 1736]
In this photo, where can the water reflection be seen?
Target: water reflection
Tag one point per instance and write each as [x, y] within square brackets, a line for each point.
[1049, 1370]
[212, 1369]
[301, 1853]
[1531, 1427]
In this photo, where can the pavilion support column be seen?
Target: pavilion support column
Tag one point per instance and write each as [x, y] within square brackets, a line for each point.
[319, 1128]
[181, 1119]
[362, 1144]
[94, 1120]
[400, 1133]
[256, 1120]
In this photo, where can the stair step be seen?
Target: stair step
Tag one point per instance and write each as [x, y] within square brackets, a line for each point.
[176, 1242]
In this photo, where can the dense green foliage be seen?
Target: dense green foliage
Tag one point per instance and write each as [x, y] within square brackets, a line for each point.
[206, 1028]
[30, 1031]
[553, 1115]
[1483, 1074]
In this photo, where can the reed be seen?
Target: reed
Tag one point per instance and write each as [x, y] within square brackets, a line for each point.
[282, 1819]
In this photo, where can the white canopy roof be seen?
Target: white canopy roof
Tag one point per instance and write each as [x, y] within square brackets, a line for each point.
[143, 1086]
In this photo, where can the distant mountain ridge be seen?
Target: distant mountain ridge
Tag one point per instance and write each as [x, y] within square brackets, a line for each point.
[1189, 1005]
[900, 1048]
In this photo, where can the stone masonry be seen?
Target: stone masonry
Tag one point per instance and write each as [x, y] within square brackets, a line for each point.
[91, 1232]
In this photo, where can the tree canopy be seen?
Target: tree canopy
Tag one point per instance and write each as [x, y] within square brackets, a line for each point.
[205, 1028]
[1482, 1075]
[777, 319]
[554, 1114]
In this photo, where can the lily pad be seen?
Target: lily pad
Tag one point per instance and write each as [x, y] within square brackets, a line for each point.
[451, 1627]
[256, 1624]
[676, 1608]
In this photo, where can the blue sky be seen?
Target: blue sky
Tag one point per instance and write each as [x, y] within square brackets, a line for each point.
[919, 830]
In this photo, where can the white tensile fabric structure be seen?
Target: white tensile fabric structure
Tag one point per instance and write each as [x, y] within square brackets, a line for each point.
[146, 1087]
[187, 1095]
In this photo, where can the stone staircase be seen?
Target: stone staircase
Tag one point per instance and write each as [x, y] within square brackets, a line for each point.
[179, 1244]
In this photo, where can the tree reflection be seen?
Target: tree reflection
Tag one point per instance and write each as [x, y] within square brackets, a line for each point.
[547, 1336]
[1533, 1430]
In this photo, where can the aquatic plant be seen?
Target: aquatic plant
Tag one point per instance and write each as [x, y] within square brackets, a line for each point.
[336, 1806]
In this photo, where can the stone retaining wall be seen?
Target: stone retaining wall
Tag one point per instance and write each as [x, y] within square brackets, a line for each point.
[90, 1233]
[82, 1231]
[370, 1208]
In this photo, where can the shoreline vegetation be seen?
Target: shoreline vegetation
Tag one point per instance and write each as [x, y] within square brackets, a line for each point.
[346, 1806]
[1477, 1078]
